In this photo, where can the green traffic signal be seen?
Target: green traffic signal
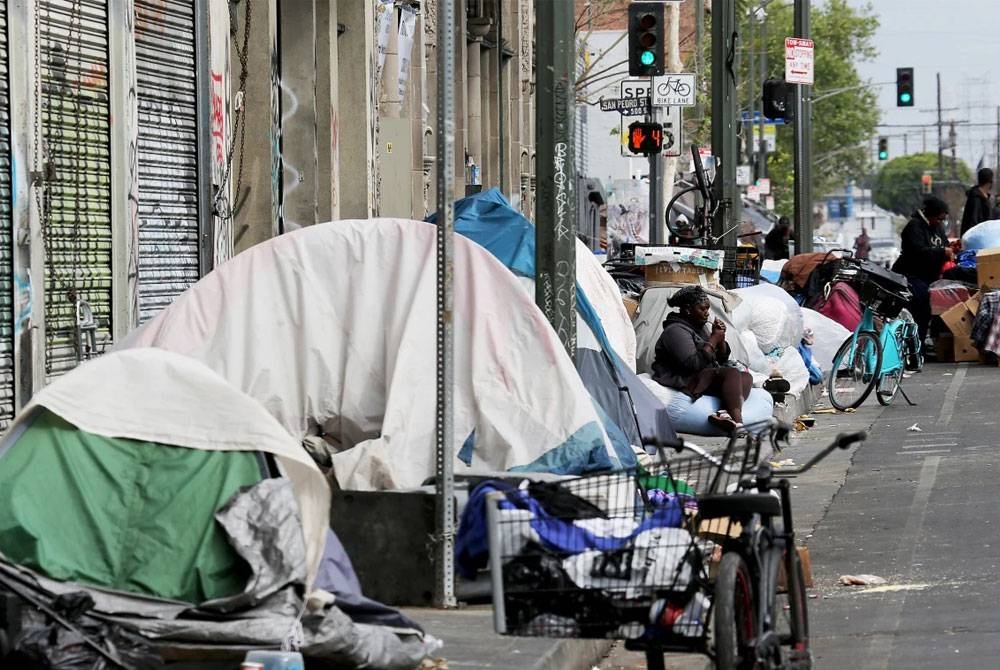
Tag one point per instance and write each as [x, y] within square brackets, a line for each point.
[647, 57]
[905, 98]
[883, 155]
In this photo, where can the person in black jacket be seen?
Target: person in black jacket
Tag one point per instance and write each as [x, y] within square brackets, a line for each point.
[977, 201]
[776, 241]
[686, 360]
[924, 250]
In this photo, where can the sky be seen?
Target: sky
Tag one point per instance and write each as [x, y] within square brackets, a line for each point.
[961, 40]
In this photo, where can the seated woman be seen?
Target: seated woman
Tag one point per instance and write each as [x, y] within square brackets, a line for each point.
[689, 361]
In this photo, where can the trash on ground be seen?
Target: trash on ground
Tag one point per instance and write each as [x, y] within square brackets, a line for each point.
[915, 429]
[825, 410]
[784, 463]
[861, 580]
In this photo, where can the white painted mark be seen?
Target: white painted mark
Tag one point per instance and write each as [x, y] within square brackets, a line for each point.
[928, 446]
[925, 451]
[948, 408]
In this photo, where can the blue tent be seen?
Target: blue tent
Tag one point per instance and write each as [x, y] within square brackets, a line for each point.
[629, 409]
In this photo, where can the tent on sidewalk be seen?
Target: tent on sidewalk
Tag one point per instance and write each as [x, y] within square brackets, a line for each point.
[181, 507]
[332, 329]
[606, 341]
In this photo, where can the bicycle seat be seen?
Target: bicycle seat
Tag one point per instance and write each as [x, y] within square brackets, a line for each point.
[738, 505]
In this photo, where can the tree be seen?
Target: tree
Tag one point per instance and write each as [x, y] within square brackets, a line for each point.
[897, 184]
[843, 122]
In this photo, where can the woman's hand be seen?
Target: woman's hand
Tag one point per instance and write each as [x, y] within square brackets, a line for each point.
[718, 332]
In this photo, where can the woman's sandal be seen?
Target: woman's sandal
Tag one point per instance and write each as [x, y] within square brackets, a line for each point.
[724, 422]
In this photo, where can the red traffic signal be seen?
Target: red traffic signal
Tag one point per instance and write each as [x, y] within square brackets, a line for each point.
[645, 138]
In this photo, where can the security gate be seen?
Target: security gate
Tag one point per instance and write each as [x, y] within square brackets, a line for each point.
[168, 151]
[76, 207]
[6, 238]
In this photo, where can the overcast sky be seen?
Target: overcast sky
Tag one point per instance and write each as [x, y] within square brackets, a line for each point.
[958, 38]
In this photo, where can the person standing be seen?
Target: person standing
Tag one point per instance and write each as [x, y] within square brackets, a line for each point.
[924, 250]
[977, 201]
[862, 245]
[776, 241]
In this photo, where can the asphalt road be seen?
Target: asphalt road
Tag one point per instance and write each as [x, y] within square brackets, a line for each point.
[917, 508]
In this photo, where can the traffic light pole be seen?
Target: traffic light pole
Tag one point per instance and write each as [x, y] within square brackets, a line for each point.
[656, 213]
[725, 225]
[555, 233]
[803, 146]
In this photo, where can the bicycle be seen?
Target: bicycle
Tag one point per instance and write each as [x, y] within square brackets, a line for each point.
[874, 359]
[725, 515]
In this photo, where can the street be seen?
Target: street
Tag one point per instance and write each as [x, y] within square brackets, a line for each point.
[917, 509]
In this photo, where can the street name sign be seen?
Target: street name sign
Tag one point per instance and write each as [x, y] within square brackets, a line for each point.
[626, 106]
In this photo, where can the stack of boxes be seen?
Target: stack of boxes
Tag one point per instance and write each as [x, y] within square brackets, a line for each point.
[680, 265]
[958, 311]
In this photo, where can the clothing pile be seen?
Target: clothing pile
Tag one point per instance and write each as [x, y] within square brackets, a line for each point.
[986, 326]
[580, 560]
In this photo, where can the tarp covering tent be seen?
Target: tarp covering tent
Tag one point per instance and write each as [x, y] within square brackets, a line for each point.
[180, 506]
[332, 329]
[606, 344]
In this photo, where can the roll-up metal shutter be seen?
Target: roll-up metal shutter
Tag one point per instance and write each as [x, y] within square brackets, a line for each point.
[168, 151]
[76, 218]
[6, 238]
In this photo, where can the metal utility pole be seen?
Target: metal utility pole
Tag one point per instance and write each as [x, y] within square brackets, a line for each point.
[726, 223]
[699, 40]
[555, 239]
[656, 204]
[762, 145]
[444, 483]
[751, 97]
[940, 129]
[803, 145]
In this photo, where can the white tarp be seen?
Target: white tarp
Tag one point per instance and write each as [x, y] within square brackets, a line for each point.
[332, 328]
[156, 396]
[602, 291]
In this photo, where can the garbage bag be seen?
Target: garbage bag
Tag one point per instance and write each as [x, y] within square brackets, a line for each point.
[48, 645]
[772, 314]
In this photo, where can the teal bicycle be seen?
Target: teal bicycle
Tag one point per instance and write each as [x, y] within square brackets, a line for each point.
[875, 358]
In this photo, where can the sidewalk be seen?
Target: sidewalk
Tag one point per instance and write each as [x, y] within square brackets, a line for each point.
[469, 640]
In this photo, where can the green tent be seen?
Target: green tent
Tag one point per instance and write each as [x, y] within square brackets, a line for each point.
[119, 513]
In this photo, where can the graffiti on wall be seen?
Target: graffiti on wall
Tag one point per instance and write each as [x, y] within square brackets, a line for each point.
[221, 129]
[132, 160]
[276, 158]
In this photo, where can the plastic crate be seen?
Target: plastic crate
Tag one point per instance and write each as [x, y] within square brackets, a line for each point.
[741, 267]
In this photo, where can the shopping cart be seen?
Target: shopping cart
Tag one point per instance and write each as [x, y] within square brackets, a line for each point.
[624, 555]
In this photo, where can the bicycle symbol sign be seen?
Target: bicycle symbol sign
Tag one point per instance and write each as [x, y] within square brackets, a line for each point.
[674, 90]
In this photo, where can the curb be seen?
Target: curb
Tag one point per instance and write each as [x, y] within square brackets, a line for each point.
[567, 654]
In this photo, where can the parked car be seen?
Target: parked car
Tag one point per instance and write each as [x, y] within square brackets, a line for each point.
[884, 251]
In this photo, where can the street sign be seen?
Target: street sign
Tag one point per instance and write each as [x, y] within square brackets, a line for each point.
[674, 90]
[764, 186]
[635, 88]
[799, 61]
[753, 193]
[770, 139]
[626, 106]
[746, 118]
[769, 202]
[742, 175]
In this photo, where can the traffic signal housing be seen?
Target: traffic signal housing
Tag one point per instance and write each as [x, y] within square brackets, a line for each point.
[883, 148]
[645, 138]
[645, 39]
[904, 87]
[777, 99]
[926, 184]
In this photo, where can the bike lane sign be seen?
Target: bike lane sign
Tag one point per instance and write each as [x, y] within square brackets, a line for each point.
[674, 90]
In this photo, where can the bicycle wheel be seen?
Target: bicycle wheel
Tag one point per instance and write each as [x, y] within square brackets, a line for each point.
[734, 615]
[855, 371]
[888, 383]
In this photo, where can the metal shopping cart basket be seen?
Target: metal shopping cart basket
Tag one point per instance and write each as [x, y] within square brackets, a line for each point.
[621, 555]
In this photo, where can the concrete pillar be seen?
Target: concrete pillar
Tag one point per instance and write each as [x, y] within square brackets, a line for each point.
[461, 96]
[255, 220]
[474, 115]
[487, 105]
[297, 23]
[415, 113]
[430, 104]
[356, 109]
[493, 95]
[326, 40]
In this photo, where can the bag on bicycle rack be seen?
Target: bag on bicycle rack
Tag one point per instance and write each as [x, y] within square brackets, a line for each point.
[885, 291]
[840, 303]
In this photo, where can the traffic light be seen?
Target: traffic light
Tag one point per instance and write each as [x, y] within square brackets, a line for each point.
[904, 87]
[883, 148]
[926, 183]
[777, 99]
[645, 39]
[645, 138]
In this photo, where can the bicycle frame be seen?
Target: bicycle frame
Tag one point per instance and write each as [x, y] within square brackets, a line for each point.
[892, 358]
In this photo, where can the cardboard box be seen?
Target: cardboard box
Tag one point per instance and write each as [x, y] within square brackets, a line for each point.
[944, 348]
[959, 320]
[679, 273]
[965, 351]
[988, 268]
[973, 303]
[807, 571]
[943, 299]
[631, 305]
[710, 259]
